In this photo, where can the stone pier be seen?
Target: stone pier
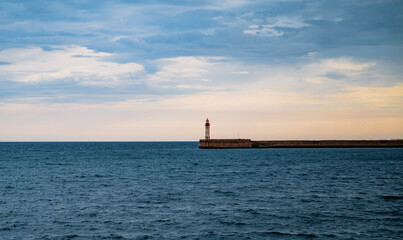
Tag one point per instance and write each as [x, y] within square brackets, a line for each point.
[247, 143]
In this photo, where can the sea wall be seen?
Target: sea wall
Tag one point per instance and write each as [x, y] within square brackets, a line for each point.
[225, 143]
[327, 143]
[247, 143]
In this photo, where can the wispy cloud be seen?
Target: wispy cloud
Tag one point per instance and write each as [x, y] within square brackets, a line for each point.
[285, 22]
[342, 68]
[189, 68]
[263, 31]
[117, 38]
[275, 29]
[225, 4]
[242, 72]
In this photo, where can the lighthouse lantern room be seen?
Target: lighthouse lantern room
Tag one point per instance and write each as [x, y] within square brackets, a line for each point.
[207, 133]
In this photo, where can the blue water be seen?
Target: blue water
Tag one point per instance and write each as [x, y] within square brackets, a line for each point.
[177, 191]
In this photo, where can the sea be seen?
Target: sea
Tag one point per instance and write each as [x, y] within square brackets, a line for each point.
[174, 190]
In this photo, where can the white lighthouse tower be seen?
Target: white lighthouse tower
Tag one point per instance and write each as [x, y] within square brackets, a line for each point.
[207, 133]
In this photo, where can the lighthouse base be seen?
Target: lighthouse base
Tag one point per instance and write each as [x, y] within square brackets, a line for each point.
[225, 143]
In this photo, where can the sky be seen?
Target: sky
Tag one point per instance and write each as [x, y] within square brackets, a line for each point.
[120, 70]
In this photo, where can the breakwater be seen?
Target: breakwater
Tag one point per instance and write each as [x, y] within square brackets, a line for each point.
[248, 143]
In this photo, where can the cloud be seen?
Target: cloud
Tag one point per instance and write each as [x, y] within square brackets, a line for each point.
[117, 38]
[183, 68]
[342, 63]
[199, 87]
[225, 4]
[208, 32]
[273, 30]
[375, 98]
[342, 68]
[68, 73]
[286, 22]
[263, 31]
[241, 72]
[78, 74]
[199, 74]
[83, 65]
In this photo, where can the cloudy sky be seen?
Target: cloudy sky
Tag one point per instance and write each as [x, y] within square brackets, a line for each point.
[93, 70]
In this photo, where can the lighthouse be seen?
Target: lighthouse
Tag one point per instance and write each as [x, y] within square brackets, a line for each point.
[207, 133]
